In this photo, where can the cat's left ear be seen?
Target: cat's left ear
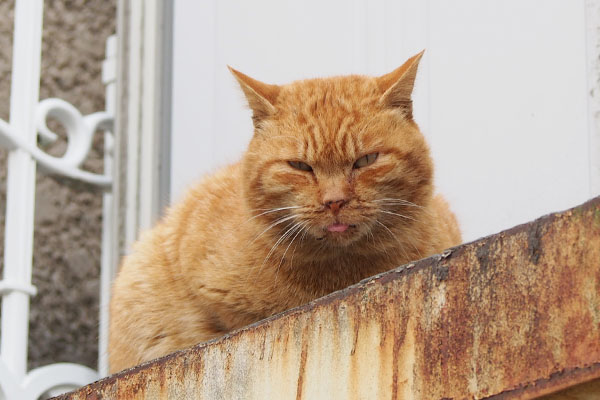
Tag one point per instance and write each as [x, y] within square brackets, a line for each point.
[261, 96]
[397, 86]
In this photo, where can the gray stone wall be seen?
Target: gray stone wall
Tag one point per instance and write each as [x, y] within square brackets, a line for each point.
[68, 218]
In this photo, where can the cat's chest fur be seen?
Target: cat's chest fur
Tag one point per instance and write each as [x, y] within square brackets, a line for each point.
[244, 270]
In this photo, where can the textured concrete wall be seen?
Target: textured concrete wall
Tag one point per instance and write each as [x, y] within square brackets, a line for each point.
[64, 314]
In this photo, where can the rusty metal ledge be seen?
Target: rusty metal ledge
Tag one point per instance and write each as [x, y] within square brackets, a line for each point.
[512, 316]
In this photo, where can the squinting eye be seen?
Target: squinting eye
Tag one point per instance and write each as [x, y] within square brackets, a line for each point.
[365, 160]
[300, 165]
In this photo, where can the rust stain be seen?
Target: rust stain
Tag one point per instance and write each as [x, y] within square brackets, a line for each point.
[301, 370]
[534, 243]
[512, 316]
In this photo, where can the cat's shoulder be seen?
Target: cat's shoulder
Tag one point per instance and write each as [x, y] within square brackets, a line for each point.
[219, 184]
[449, 229]
[217, 192]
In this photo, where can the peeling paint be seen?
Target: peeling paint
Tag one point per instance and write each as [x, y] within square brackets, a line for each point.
[512, 316]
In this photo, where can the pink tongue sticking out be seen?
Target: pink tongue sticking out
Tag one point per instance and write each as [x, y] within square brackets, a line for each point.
[337, 228]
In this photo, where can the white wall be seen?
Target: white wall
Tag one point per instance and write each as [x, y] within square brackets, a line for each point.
[501, 96]
[508, 108]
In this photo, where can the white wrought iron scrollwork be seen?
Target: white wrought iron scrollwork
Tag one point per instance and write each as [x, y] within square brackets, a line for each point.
[28, 123]
[80, 131]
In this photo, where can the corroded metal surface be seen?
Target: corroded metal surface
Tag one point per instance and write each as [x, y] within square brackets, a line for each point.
[512, 316]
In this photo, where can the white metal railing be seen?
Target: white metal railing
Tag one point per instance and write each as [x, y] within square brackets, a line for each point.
[27, 120]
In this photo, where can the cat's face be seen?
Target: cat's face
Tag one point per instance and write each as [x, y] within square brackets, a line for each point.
[335, 161]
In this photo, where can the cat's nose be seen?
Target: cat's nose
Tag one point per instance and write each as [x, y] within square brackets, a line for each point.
[335, 205]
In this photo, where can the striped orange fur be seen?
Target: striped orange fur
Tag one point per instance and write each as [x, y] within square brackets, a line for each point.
[336, 185]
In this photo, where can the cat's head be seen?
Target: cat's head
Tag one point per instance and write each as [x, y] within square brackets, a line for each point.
[336, 160]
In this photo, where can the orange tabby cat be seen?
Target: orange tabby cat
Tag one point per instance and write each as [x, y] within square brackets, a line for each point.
[336, 186]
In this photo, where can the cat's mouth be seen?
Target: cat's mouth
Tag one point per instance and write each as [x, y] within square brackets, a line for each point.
[337, 230]
[338, 227]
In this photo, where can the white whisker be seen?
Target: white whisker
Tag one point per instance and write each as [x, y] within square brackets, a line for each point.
[384, 249]
[397, 201]
[390, 202]
[287, 233]
[287, 248]
[277, 222]
[398, 215]
[388, 229]
[414, 246]
[400, 247]
[304, 234]
[271, 210]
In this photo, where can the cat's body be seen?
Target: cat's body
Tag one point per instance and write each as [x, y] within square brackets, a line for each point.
[265, 235]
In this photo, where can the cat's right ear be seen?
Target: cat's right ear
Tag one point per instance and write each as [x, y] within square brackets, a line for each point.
[261, 96]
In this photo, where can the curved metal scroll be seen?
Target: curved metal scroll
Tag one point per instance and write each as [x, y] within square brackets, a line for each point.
[48, 380]
[80, 132]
